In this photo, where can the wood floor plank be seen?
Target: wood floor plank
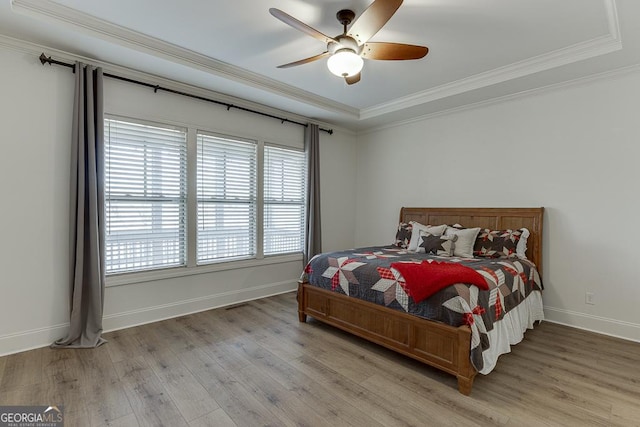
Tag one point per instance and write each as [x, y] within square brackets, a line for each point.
[556, 386]
[285, 304]
[187, 393]
[22, 395]
[434, 385]
[148, 398]
[236, 401]
[203, 328]
[173, 335]
[217, 418]
[585, 368]
[318, 398]
[526, 399]
[105, 397]
[150, 340]
[586, 382]
[65, 388]
[123, 345]
[425, 410]
[22, 369]
[279, 317]
[532, 422]
[600, 344]
[56, 361]
[214, 340]
[624, 414]
[3, 362]
[344, 389]
[235, 321]
[569, 352]
[282, 402]
[342, 354]
[278, 337]
[210, 329]
[255, 364]
[126, 421]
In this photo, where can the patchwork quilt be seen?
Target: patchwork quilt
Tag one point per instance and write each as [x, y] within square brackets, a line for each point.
[366, 273]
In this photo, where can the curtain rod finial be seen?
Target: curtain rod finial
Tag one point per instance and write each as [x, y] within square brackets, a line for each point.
[44, 59]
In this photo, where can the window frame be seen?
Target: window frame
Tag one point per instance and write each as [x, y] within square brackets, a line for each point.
[304, 195]
[181, 198]
[192, 268]
[252, 200]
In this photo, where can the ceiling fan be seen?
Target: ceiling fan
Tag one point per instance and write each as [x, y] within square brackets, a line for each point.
[347, 50]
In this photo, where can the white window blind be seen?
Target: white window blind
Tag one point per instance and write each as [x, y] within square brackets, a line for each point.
[285, 173]
[226, 190]
[145, 192]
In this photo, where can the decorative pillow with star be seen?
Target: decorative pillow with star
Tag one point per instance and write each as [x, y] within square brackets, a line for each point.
[403, 235]
[498, 243]
[436, 230]
[436, 245]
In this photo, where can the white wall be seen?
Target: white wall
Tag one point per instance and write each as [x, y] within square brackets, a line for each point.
[573, 150]
[35, 114]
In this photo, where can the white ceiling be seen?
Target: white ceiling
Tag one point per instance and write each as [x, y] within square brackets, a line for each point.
[479, 49]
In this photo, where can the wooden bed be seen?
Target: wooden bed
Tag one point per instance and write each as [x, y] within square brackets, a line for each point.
[437, 344]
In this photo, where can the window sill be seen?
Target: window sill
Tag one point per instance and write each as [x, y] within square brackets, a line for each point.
[170, 273]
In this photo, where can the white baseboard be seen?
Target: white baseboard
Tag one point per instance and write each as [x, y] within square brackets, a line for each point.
[33, 338]
[182, 308]
[602, 325]
[43, 337]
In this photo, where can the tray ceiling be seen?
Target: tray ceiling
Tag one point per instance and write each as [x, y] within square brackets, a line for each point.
[479, 50]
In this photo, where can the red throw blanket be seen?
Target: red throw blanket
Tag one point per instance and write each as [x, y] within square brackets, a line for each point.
[425, 279]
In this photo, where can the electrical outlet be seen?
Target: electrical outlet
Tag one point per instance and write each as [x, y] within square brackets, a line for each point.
[589, 298]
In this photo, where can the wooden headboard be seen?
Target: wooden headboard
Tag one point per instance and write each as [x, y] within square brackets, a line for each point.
[492, 218]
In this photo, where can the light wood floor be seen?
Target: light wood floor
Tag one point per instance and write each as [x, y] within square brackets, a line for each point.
[255, 365]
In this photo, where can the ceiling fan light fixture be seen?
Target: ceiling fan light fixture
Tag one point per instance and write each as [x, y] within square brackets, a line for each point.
[345, 63]
[344, 51]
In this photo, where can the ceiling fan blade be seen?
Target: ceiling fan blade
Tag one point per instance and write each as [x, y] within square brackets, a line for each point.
[304, 61]
[393, 51]
[353, 79]
[299, 25]
[372, 19]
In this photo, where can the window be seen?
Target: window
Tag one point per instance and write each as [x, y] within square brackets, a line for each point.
[180, 197]
[227, 202]
[284, 200]
[145, 196]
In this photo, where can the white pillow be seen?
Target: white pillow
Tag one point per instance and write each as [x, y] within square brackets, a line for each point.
[466, 240]
[415, 233]
[521, 247]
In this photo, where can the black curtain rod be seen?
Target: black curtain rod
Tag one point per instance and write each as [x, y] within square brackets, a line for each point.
[48, 60]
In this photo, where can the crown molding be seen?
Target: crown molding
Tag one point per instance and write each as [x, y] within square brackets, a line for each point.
[22, 46]
[104, 30]
[602, 45]
[606, 75]
[132, 39]
[36, 49]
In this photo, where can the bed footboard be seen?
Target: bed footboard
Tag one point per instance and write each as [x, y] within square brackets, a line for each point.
[436, 344]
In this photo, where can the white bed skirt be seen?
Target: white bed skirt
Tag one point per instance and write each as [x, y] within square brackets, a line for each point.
[510, 330]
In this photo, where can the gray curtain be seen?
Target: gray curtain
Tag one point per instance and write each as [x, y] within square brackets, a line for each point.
[313, 242]
[87, 212]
